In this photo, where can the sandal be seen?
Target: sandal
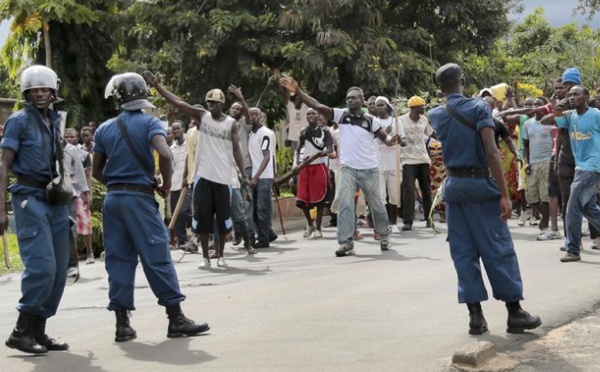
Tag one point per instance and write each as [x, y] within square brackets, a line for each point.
[251, 250]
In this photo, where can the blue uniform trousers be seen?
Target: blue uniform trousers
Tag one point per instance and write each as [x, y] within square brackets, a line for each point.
[475, 231]
[43, 235]
[133, 226]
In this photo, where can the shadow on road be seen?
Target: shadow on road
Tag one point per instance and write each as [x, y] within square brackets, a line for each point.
[174, 352]
[61, 361]
[391, 255]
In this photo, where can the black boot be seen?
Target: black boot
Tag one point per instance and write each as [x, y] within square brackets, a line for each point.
[477, 323]
[21, 337]
[180, 326]
[39, 333]
[124, 331]
[520, 320]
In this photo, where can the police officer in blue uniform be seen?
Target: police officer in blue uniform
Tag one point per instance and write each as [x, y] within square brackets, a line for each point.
[131, 220]
[29, 150]
[477, 205]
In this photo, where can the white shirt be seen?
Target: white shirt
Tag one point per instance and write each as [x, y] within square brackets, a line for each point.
[356, 148]
[259, 141]
[415, 151]
[386, 155]
[297, 120]
[179, 156]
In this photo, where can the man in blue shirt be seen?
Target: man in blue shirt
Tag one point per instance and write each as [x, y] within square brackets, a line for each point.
[123, 162]
[477, 205]
[30, 150]
[583, 124]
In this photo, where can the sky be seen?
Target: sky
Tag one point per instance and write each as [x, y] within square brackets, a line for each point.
[558, 13]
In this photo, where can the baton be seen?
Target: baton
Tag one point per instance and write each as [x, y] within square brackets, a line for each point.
[178, 207]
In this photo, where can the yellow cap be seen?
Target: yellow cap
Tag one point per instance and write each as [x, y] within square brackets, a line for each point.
[415, 101]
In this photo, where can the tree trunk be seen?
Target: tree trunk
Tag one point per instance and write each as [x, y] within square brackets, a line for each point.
[47, 47]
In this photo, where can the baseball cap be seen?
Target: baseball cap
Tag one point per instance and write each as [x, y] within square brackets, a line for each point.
[215, 95]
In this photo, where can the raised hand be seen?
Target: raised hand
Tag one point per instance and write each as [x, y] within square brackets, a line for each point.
[150, 78]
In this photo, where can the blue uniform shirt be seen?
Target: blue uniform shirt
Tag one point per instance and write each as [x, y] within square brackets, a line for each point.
[26, 133]
[121, 165]
[584, 132]
[462, 148]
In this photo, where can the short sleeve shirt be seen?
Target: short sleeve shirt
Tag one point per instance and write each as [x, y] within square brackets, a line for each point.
[386, 155]
[260, 140]
[316, 140]
[356, 147]
[540, 141]
[584, 134]
[121, 165]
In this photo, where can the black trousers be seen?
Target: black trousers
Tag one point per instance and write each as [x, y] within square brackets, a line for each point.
[410, 173]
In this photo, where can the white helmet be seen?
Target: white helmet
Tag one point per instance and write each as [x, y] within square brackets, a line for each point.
[38, 76]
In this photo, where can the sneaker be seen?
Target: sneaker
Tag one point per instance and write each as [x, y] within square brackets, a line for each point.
[357, 235]
[384, 244]
[308, 231]
[221, 262]
[90, 260]
[596, 243]
[345, 250]
[395, 229]
[376, 236]
[533, 221]
[570, 257]
[205, 264]
[522, 219]
[317, 234]
[407, 227]
[549, 234]
[72, 272]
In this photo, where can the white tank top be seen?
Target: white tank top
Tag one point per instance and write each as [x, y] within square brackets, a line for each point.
[214, 155]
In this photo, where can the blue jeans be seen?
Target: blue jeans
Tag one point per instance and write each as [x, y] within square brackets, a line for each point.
[263, 209]
[368, 181]
[582, 203]
[249, 207]
[238, 213]
[43, 235]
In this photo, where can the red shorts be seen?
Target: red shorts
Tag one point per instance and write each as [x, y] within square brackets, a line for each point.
[313, 182]
[84, 218]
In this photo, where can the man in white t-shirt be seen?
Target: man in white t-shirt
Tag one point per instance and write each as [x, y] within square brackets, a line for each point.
[387, 156]
[415, 160]
[261, 147]
[358, 163]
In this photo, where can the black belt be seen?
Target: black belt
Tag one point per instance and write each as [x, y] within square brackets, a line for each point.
[468, 172]
[32, 182]
[146, 189]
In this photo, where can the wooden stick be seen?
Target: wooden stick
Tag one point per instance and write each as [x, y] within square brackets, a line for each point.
[6, 253]
[178, 207]
[278, 209]
[297, 169]
[398, 165]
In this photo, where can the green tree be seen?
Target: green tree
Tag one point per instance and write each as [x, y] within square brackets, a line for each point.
[390, 47]
[76, 39]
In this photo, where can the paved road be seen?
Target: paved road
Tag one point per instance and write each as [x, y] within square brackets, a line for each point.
[297, 307]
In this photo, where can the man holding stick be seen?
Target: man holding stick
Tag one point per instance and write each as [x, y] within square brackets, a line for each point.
[313, 180]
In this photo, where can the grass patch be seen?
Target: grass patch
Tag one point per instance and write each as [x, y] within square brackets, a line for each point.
[16, 265]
